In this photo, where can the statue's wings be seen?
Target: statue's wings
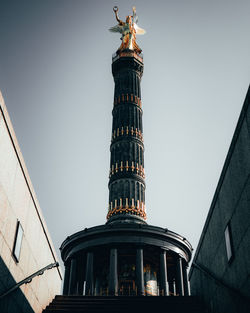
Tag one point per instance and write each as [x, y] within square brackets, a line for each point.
[116, 29]
[139, 30]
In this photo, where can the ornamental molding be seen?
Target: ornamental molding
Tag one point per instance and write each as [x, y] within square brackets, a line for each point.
[127, 131]
[127, 167]
[138, 209]
[131, 98]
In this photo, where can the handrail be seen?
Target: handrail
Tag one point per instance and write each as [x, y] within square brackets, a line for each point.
[206, 271]
[28, 279]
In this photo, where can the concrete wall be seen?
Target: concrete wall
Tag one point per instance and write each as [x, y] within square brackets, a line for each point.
[225, 285]
[18, 202]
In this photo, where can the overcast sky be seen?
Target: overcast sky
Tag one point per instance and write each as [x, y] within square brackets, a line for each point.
[55, 76]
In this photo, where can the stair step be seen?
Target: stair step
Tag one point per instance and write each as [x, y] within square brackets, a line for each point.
[124, 304]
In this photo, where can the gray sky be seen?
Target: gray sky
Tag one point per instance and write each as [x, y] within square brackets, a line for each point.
[55, 76]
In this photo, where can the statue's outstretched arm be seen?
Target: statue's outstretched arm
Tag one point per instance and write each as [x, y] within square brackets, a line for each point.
[115, 9]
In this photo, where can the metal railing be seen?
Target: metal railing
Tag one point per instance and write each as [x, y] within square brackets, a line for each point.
[132, 291]
[28, 279]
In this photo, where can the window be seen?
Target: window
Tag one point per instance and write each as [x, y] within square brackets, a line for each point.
[18, 241]
[228, 240]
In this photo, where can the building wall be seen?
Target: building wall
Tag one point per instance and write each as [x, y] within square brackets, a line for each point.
[18, 203]
[225, 285]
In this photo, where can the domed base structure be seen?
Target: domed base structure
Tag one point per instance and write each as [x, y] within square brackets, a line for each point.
[126, 259]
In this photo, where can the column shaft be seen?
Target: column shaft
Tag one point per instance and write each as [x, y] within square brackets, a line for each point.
[80, 274]
[89, 288]
[66, 279]
[179, 278]
[185, 279]
[139, 272]
[113, 279]
[164, 289]
[72, 277]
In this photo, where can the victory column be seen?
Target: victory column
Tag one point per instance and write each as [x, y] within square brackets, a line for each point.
[126, 256]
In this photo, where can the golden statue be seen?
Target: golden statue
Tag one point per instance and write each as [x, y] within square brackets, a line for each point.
[128, 29]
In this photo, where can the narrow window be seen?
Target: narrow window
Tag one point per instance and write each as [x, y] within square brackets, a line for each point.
[228, 240]
[18, 241]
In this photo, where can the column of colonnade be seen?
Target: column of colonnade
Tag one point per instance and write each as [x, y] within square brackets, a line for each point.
[180, 285]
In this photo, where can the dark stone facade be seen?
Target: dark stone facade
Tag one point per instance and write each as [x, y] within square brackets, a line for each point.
[220, 273]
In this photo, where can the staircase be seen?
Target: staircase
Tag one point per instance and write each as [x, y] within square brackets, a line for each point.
[124, 304]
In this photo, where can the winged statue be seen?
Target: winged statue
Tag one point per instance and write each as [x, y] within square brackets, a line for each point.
[128, 29]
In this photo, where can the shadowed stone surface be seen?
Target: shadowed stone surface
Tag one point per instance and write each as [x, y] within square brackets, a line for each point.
[224, 285]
